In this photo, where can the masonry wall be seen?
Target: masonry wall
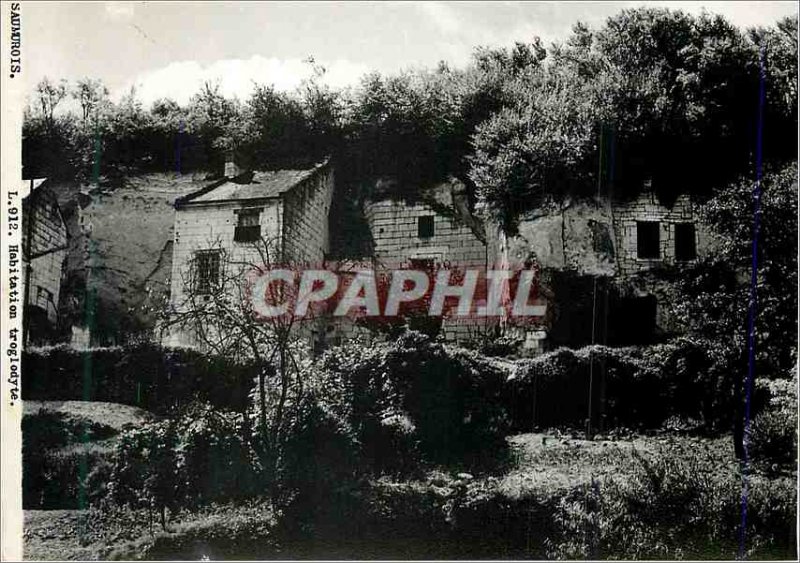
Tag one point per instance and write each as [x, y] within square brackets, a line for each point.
[394, 229]
[212, 226]
[647, 208]
[306, 209]
[48, 246]
[393, 226]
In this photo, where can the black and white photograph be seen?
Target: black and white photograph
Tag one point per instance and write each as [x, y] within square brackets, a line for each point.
[399, 280]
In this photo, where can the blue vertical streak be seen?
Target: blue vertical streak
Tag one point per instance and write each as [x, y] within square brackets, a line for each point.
[751, 320]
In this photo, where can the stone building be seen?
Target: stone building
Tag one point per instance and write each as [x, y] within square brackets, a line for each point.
[436, 229]
[582, 249]
[44, 247]
[287, 210]
[600, 260]
[649, 234]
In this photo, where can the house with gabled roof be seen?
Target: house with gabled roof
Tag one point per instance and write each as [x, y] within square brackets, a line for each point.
[286, 209]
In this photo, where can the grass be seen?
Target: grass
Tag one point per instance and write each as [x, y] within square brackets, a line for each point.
[555, 496]
[125, 535]
[67, 446]
[113, 415]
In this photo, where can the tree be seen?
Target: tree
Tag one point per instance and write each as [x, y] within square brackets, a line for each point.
[717, 294]
[544, 144]
[91, 95]
[210, 115]
[322, 111]
[676, 89]
[48, 139]
[49, 97]
[276, 132]
[225, 320]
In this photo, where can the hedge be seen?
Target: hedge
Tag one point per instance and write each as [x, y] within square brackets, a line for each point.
[635, 387]
[149, 376]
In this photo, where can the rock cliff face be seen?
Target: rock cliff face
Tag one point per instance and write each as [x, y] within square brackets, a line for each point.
[573, 236]
[120, 255]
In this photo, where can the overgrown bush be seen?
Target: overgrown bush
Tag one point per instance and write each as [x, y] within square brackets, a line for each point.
[62, 467]
[204, 455]
[673, 508]
[414, 395]
[637, 387]
[773, 434]
[145, 375]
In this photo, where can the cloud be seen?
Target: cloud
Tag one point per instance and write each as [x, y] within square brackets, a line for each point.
[181, 80]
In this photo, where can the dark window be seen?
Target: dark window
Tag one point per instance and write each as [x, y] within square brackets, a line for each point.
[685, 246]
[207, 270]
[248, 228]
[425, 226]
[648, 239]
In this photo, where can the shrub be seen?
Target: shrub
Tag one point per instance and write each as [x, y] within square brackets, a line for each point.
[414, 395]
[144, 375]
[204, 455]
[62, 466]
[773, 434]
[673, 507]
[638, 387]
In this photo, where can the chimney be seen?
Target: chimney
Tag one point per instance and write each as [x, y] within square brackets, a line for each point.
[232, 169]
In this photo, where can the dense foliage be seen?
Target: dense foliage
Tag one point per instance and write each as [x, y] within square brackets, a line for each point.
[773, 435]
[662, 91]
[414, 398]
[717, 304]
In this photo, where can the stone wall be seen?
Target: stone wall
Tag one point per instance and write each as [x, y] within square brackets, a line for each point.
[598, 238]
[46, 248]
[647, 208]
[576, 236]
[394, 227]
[294, 227]
[210, 227]
[306, 226]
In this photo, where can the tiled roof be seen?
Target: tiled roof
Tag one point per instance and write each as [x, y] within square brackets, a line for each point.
[264, 185]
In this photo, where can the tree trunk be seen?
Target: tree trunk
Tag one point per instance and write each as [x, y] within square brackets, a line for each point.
[262, 397]
[284, 390]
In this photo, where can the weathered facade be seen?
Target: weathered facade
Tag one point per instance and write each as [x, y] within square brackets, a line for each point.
[437, 227]
[599, 260]
[596, 258]
[650, 234]
[436, 230]
[44, 246]
[285, 211]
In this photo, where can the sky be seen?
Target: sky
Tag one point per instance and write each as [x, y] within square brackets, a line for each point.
[168, 49]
